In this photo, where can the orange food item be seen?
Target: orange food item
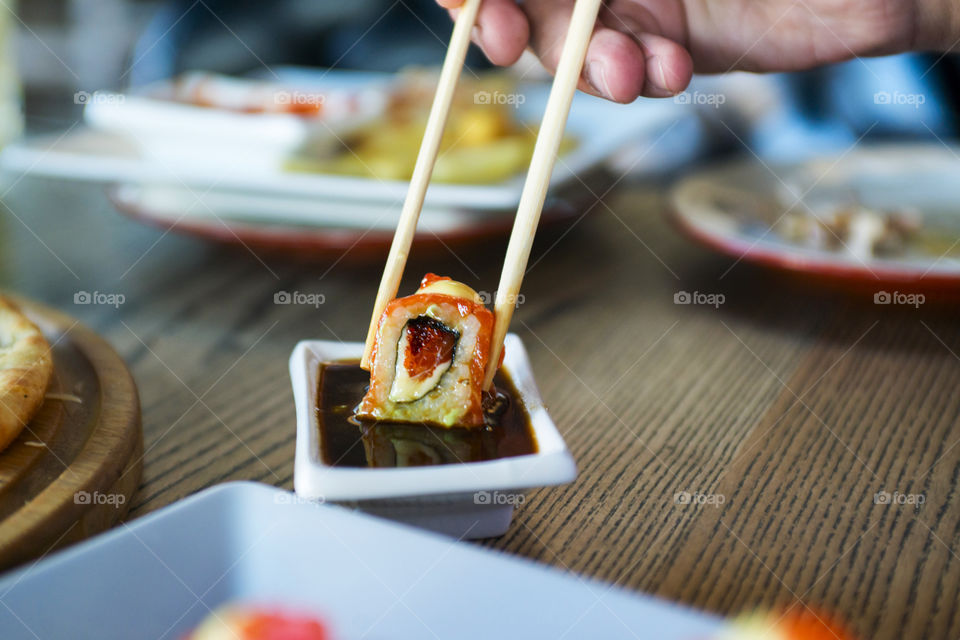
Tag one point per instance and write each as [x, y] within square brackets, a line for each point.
[242, 623]
[803, 624]
[798, 623]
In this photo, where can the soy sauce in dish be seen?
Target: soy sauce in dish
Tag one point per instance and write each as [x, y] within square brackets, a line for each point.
[346, 441]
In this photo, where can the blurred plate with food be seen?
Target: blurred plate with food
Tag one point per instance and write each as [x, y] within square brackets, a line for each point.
[334, 135]
[877, 215]
[200, 120]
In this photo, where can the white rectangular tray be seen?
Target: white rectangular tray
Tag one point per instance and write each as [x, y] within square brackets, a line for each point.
[158, 577]
[600, 127]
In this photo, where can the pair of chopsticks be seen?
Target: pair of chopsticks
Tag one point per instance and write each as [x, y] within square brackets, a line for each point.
[534, 189]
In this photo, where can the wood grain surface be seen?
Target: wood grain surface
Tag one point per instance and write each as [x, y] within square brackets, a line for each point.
[731, 456]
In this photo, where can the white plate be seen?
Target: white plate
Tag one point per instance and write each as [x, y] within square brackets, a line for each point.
[158, 577]
[600, 127]
[474, 499]
[171, 203]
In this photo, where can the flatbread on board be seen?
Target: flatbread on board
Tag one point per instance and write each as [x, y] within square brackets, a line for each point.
[26, 366]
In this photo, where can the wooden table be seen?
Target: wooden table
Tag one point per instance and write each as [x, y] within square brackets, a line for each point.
[778, 416]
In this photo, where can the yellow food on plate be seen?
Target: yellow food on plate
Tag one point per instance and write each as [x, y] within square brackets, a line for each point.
[484, 141]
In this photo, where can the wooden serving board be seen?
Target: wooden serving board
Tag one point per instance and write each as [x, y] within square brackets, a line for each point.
[73, 470]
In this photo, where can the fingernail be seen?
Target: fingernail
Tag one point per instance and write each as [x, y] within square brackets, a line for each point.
[597, 77]
[662, 81]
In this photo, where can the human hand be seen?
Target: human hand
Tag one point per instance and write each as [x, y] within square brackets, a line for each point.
[652, 47]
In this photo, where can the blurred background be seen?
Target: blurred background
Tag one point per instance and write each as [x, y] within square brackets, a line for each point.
[294, 125]
[58, 47]
[61, 46]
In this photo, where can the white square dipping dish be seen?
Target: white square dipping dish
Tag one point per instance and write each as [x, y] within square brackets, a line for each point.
[470, 500]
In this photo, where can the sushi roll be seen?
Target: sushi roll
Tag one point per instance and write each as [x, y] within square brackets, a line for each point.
[429, 357]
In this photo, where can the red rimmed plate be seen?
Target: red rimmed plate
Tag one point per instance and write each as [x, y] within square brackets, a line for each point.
[355, 234]
[738, 208]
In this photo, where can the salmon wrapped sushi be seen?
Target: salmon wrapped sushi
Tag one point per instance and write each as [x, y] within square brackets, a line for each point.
[429, 357]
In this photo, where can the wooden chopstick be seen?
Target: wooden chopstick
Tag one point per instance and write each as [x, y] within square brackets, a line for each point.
[538, 178]
[422, 170]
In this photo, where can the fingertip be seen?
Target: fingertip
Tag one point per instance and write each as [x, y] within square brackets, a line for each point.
[450, 4]
[614, 66]
[503, 31]
[668, 66]
[678, 71]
